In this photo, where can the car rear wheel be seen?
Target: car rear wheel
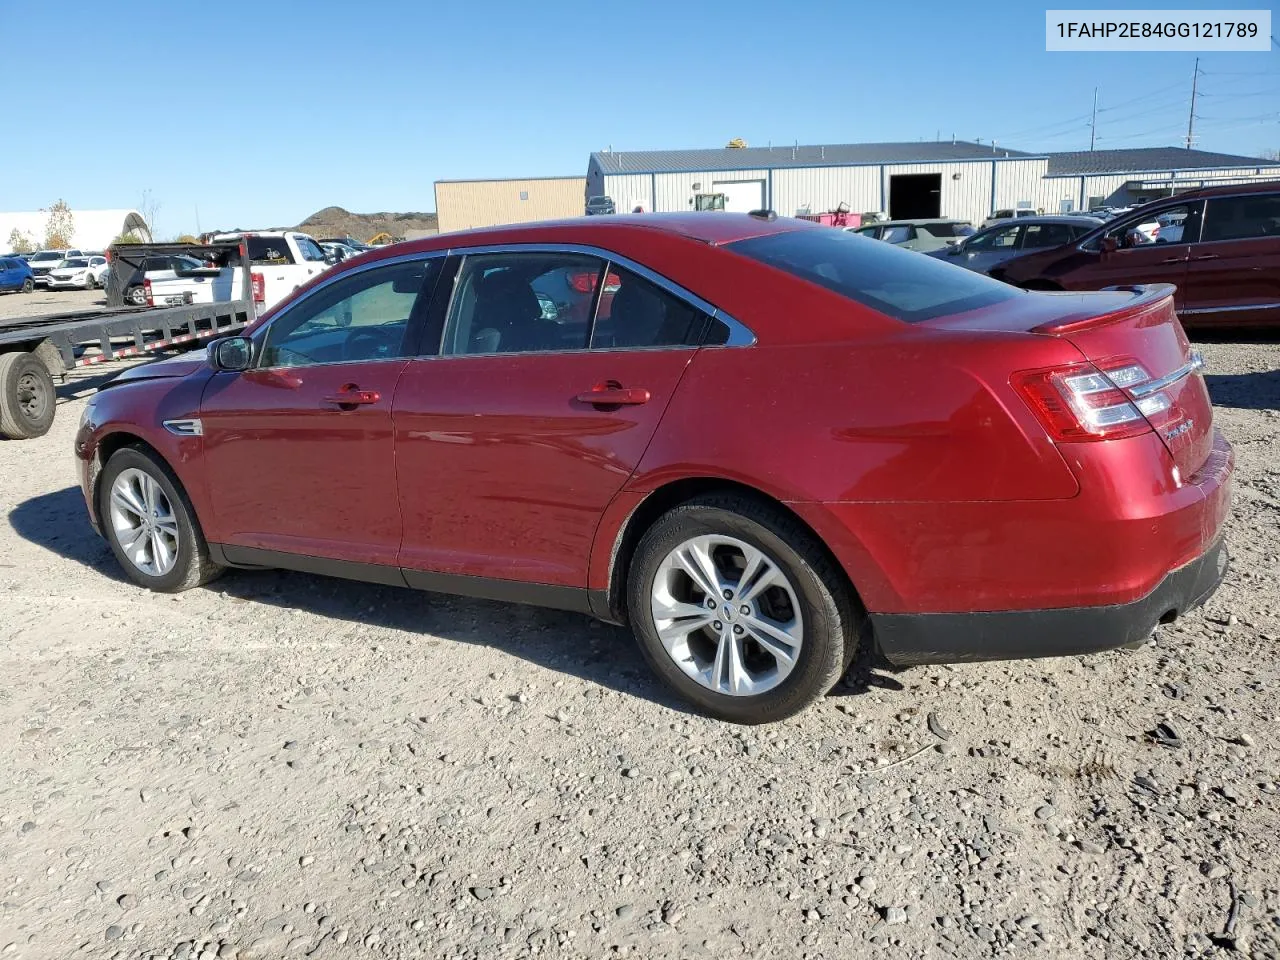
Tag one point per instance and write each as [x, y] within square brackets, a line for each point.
[137, 296]
[28, 285]
[151, 525]
[89, 283]
[27, 396]
[740, 610]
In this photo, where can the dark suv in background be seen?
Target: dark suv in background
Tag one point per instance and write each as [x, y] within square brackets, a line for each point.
[1220, 246]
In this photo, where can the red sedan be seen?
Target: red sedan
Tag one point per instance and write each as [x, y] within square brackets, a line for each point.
[769, 443]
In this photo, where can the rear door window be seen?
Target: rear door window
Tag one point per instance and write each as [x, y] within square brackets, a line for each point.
[1000, 238]
[522, 303]
[1242, 218]
[897, 283]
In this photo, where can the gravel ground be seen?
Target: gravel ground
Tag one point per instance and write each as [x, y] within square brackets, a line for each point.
[285, 765]
[41, 301]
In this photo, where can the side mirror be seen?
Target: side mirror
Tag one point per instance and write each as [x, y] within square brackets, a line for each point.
[1108, 245]
[231, 354]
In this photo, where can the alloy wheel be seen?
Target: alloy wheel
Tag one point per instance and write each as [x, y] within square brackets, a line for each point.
[144, 523]
[727, 615]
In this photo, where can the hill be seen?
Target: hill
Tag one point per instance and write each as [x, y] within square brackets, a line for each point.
[337, 222]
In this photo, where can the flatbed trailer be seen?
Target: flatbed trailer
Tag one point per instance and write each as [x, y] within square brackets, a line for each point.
[36, 350]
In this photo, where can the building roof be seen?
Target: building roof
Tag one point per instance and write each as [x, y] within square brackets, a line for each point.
[820, 155]
[1146, 159]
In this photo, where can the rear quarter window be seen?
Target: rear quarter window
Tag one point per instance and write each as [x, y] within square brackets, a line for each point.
[898, 283]
[268, 250]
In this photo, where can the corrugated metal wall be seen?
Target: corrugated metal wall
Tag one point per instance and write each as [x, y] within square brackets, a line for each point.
[630, 190]
[461, 204]
[819, 189]
[1017, 183]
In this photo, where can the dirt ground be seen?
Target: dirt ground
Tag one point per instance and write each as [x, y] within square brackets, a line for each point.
[283, 765]
[41, 301]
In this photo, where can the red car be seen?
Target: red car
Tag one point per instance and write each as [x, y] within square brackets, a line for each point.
[773, 442]
[1220, 246]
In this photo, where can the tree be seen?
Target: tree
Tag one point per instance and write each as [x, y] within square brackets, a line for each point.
[149, 207]
[1270, 154]
[21, 242]
[187, 238]
[60, 231]
[126, 238]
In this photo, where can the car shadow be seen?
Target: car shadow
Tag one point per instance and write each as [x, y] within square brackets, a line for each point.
[1245, 391]
[568, 643]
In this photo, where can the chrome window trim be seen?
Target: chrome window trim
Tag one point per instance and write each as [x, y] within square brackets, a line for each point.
[740, 335]
[1195, 364]
[264, 331]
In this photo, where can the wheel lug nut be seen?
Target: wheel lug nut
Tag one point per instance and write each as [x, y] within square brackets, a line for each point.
[728, 594]
[744, 609]
[717, 625]
[737, 630]
[711, 603]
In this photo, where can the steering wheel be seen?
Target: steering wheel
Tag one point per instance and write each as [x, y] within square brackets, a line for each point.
[371, 343]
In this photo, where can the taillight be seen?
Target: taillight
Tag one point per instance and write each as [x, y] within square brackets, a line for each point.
[586, 282]
[1084, 401]
[146, 287]
[259, 287]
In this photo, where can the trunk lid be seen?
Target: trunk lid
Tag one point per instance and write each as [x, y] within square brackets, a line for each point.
[1116, 330]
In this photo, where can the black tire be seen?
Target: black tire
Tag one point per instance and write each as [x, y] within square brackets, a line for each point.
[89, 282]
[136, 296]
[193, 566]
[832, 616]
[28, 400]
[28, 285]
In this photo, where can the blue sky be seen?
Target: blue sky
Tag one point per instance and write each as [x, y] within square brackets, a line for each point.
[260, 114]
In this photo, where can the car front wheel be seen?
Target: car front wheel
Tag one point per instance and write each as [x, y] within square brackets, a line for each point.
[151, 525]
[28, 285]
[740, 609]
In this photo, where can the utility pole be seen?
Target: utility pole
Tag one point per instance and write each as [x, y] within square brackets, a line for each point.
[1093, 123]
[1191, 119]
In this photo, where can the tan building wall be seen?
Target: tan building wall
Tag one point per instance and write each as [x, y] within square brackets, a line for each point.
[462, 204]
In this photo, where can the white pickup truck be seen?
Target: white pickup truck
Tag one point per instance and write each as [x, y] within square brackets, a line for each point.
[280, 262]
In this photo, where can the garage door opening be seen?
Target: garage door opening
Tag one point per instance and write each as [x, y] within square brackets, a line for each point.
[915, 196]
[741, 196]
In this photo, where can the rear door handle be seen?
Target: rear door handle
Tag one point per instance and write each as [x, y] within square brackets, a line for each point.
[351, 396]
[613, 394]
[1207, 256]
[1174, 260]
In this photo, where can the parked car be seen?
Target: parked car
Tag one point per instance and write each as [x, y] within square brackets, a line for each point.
[346, 242]
[1220, 246]
[42, 261]
[99, 266]
[156, 268]
[335, 252]
[921, 235]
[1010, 213]
[599, 205]
[966, 472]
[15, 275]
[76, 272]
[990, 247]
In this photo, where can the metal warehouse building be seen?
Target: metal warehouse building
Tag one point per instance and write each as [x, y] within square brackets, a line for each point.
[905, 180]
[461, 204]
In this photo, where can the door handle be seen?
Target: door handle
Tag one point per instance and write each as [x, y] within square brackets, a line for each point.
[352, 396]
[1207, 256]
[1173, 260]
[613, 394]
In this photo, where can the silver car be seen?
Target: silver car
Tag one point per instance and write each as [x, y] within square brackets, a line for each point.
[921, 235]
[991, 247]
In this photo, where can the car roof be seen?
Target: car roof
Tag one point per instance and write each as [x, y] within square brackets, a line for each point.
[1050, 218]
[711, 227]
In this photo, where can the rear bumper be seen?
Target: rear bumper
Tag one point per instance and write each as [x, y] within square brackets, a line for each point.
[918, 638]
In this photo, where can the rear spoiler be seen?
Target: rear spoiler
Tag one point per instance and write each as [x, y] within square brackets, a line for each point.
[1147, 298]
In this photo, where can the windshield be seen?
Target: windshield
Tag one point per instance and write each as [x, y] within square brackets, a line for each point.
[76, 263]
[898, 283]
[47, 255]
